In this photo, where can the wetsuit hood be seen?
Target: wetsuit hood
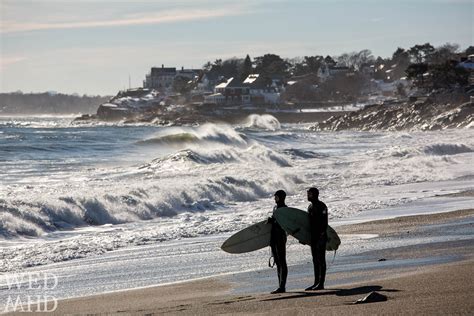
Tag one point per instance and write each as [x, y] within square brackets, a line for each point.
[281, 198]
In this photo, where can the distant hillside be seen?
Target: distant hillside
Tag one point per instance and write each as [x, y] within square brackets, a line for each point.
[47, 103]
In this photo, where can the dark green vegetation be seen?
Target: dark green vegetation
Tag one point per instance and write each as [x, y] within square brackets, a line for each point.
[427, 66]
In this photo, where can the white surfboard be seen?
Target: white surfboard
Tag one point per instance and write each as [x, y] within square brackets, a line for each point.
[249, 239]
[296, 223]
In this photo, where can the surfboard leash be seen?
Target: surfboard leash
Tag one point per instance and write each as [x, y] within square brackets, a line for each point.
[270, 259]
[333, 258]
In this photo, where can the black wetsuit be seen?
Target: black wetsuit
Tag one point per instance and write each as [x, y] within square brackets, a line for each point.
[278, 246]
[318, 214]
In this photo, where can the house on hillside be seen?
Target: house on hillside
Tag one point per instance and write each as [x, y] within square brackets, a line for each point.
[160, 78]
[368, 70]
[207, 81]
[215, 98]
[468, 64]
[302, 87]
[191, 74]
[262, 90]
[255, 89]
[235, 92]
[327, 71]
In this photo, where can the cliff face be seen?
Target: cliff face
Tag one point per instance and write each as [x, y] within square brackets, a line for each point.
[406, 116]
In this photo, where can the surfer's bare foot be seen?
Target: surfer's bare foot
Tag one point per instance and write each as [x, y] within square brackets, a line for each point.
[279, 290]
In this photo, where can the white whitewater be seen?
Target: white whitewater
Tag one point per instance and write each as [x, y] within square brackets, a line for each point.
[70, 192]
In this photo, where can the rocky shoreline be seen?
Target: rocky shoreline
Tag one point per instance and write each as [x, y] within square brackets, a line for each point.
[149, 106]
[424, 115]
[189, 116]
[447, 110]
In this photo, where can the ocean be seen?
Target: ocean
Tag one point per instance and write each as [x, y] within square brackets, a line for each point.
[72, 193]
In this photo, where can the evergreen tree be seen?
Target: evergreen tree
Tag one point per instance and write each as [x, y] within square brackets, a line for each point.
[246, 68]
[421, 53]
[313, 63]
[469, 50]
[329, 61]
[270, 64]
[416, 71]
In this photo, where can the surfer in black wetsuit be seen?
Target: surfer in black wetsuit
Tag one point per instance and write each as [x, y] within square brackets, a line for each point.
[318, 215]
[278, 244]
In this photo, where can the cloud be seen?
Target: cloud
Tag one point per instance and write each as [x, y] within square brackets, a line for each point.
[166, 16]
[376, 20]
[6, 61]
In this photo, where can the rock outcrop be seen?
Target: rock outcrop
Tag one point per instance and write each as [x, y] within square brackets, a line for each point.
[420, 115]
[128, 104]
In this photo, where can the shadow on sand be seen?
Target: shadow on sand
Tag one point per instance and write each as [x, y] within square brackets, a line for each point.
[338, 292]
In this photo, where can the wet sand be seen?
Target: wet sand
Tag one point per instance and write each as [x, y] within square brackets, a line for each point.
[438, 288]
[402, 225]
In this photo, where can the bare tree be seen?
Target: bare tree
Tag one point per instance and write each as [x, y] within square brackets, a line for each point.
[443, 54]
[355, 60]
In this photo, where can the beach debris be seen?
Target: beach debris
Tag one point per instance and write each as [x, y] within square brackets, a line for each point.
[372, 297]
[382, 259]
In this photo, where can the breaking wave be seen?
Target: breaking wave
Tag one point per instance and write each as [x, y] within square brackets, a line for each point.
[443, 149]
[213, 133]
[304, 154]
[198, 178]
[210, 179]
[447, 149]
[35, 217]
[265, 121]
[253, 154]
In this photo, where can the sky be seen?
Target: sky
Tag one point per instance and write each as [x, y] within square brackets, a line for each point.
[95, 46]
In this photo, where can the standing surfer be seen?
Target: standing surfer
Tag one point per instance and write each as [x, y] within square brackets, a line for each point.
[318, 216]
[278, 244]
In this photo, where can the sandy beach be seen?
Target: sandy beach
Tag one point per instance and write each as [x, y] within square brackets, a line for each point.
[190, 157]
[439, 290]
[430, 279]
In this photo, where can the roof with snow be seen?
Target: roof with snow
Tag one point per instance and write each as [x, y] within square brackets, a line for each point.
[251, 78]
[224, 84]
[109, 105]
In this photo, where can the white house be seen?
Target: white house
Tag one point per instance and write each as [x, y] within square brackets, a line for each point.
[215, 98]
[325, 72]
[160, 78]
[262, 90]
